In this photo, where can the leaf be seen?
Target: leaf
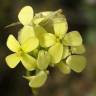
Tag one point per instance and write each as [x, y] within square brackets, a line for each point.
[12, 60]
[60, 26]
[28, 62]
[76, 62]
[13, 44]
[25, 15]
[63, 67]
[25, 33]
[43, 60]
[78, 49]
[56, 52]
[30, 44]
[72, 39]
[38, 80]
[66, 52]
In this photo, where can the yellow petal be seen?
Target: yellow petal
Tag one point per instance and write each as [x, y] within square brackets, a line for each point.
[63, 67]
[25, 33]
[30, 44]
[72, 39]
[38, 20]
[38, 80]
[76, 62]
[45, 39]
[13, 44]
[56, 52]
[66, 52]
[12, 60]
[28, 62]
[49, 40]
[25, 15]
[43, 60]
[60, 27]
[78, 49]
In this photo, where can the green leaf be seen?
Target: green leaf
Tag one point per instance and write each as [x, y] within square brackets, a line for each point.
[25, 33]
[25, 15]
[63, 67]
[28, 62]
[56, 52]
[30, 44]
[66, 52]
[38, 80]
[43, 60]
[12, 60]
[72, 39]
[78, 49]
[76, 62]
[60, 26]
[13, 44]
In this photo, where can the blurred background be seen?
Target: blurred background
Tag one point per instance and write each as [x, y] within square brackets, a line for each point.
[81, 16]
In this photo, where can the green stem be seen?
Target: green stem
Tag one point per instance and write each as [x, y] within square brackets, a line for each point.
[35, 91]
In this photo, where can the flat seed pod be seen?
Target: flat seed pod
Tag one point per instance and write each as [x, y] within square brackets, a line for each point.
[30, 44]
[13, 44]
[66, 52]
[56, 52]
[28, 62]
[60, 27]
[78, 49]
[25, 33]
[76, 62]
[63, 67]
[72, 39]
[43, 60]
[12, 60]
[25, 15]
[38, 80]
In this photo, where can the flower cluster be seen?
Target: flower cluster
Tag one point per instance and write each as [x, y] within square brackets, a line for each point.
[42, 42]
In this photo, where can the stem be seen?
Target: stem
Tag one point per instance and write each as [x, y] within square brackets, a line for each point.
[35, 91]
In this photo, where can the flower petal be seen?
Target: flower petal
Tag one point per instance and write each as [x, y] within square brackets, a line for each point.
[13, 44]
[49, 40]
[56, 52]
[78, 49]
[38, 20]
[72, 39]
[43, 60]
[66, 52]
[60, 26]
[28, 62]
[45, 39]
[63, 67]
[25, 15]
[38, 80]
[30, 44]
[12, 60]
[76, 62]
[25, 33]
